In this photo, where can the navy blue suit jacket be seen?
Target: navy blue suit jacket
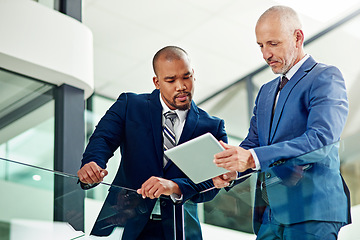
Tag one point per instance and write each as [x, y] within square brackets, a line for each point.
[134, 123]
[310, 113]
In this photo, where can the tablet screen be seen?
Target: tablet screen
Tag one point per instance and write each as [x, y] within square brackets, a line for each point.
[195, 157]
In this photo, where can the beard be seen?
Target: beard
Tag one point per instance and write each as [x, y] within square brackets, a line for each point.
[286, 63]
[184, 105]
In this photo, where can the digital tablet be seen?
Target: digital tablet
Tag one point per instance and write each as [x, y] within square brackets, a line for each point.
[195, 157]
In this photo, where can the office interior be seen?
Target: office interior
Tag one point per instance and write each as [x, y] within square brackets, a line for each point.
[64, 62]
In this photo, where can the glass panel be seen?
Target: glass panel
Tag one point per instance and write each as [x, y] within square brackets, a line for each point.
[17, 90]
[26, 120]
[284, 184]
[27, 209]
[26, 128]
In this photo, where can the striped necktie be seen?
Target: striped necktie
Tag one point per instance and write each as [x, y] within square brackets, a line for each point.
[168, 132]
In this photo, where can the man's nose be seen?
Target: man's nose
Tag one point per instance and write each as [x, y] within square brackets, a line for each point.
[180, 85]
[266, 53]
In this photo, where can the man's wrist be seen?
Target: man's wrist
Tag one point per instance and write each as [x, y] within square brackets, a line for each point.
[255, 160]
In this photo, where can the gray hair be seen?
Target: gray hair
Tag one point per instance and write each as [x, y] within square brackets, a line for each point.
[289, 19]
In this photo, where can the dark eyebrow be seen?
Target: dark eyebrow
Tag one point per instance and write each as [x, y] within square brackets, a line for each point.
[170, 77]
[188, 73]
[174, 76]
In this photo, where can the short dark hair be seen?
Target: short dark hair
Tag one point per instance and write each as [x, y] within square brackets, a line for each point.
[170, 53]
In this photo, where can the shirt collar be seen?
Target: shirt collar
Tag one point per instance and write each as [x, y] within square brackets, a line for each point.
[180, 113]
[296, 67]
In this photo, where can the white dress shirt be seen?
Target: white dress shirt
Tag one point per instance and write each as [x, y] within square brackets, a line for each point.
[178, 128]
[179, 121]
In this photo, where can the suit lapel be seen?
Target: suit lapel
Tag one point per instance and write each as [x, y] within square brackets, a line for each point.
[268, 108]
[190, 124]
[155, 110]
[285, 92]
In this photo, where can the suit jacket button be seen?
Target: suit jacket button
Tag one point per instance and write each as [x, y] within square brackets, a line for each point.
[268, 175]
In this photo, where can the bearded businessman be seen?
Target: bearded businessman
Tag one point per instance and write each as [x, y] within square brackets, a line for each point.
[136, 124]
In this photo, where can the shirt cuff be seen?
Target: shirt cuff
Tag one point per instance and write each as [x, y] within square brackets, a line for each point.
[176, 198]
[256, 160]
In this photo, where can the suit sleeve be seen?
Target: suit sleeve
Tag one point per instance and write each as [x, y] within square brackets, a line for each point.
[327, 113]
[201, 192]
[252, 139]
[108, 134]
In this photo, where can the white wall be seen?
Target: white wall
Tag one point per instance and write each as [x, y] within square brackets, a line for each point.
[45, 44]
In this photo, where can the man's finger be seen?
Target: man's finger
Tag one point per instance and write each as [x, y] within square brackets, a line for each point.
[145, 187]
[103, 173]
[219, 182]
[224, 145]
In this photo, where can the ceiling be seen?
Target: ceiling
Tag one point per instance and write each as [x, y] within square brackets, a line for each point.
[217, 34]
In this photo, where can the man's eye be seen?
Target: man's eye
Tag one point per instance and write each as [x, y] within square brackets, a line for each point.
[188, 76]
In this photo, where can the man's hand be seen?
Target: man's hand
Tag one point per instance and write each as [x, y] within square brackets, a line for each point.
[156, 186]
[91, 173]
[234, 158]
[224, 179]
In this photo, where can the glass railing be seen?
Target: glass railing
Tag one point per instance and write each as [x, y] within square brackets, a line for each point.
[28, 209]
[307, 186]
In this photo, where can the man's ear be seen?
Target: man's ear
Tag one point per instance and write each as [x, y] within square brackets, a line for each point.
[156, 82]
[299, 36]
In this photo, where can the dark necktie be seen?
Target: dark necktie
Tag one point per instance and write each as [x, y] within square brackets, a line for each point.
[264, 195]
[168, 132]
[284, 81]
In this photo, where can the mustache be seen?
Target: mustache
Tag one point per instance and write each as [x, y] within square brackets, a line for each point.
[269, 60]
[182, 93]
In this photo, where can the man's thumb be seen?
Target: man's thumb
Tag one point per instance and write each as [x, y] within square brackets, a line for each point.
[224, 145]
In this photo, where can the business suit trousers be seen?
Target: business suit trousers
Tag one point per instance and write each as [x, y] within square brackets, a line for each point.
[311, 230]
